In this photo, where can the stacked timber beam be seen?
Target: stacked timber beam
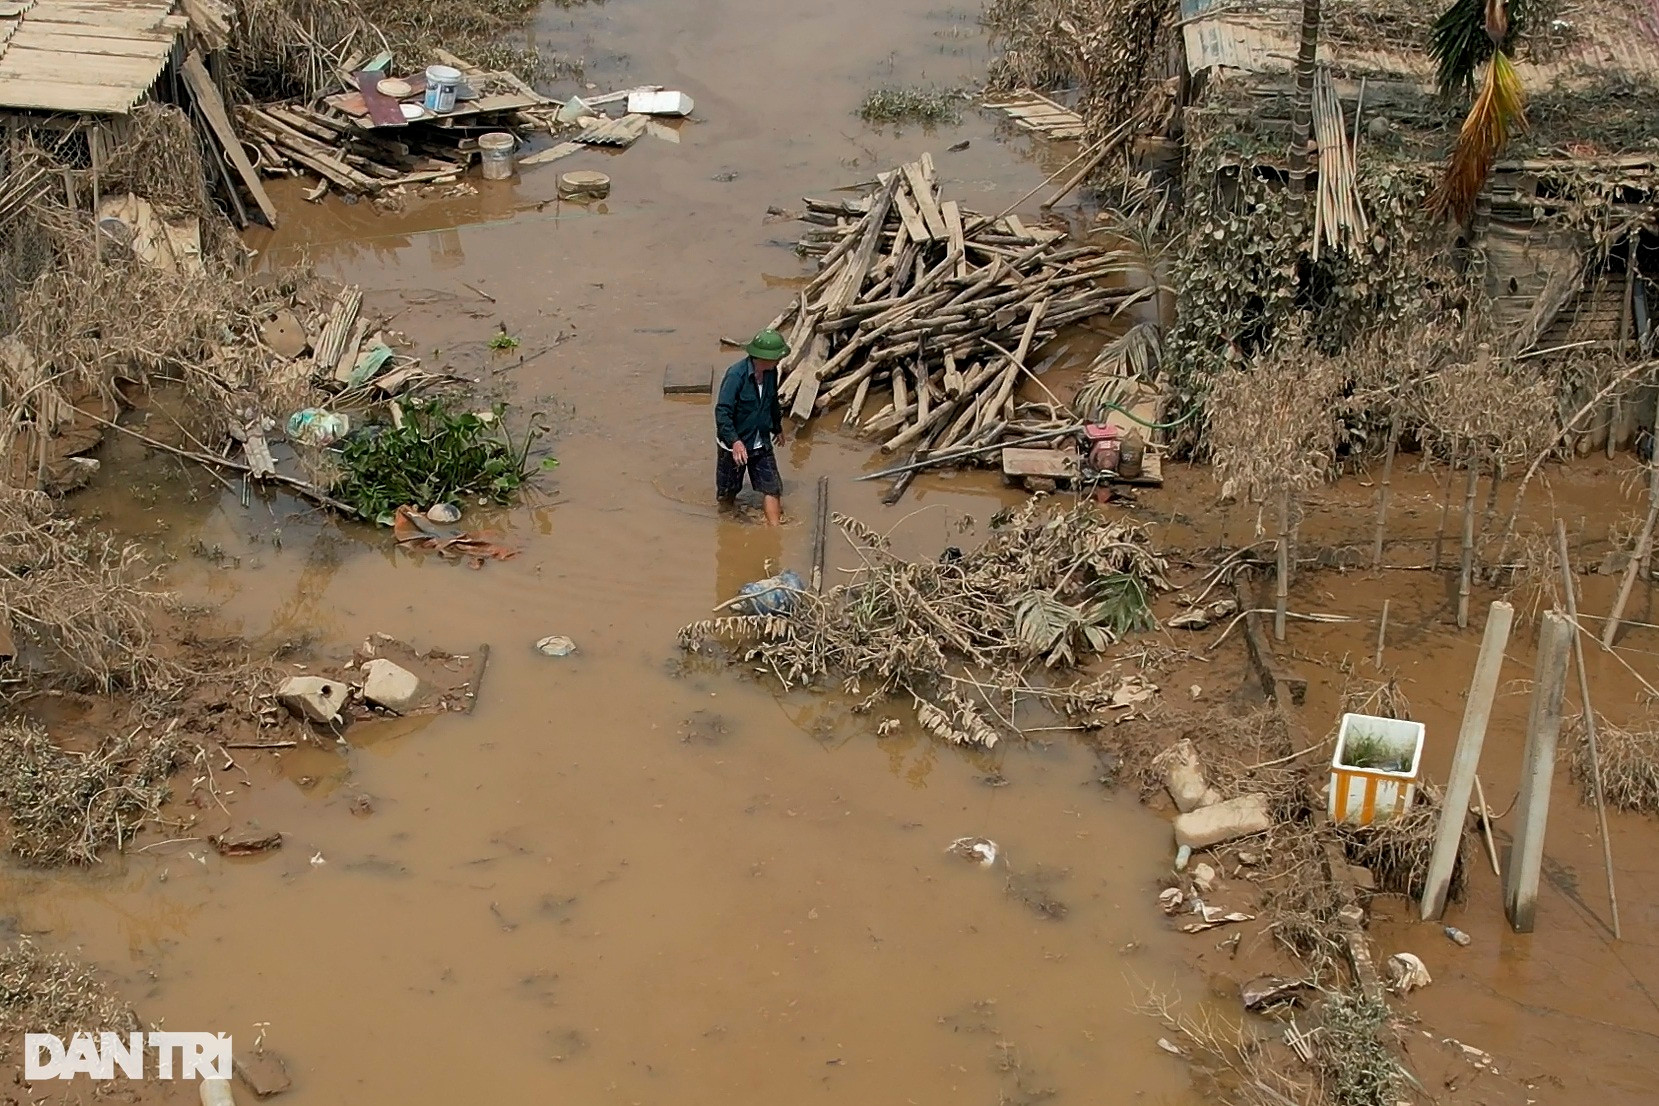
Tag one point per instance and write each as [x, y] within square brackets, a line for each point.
[923, 320]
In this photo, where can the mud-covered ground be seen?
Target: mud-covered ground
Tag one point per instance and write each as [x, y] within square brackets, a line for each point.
[629, 876]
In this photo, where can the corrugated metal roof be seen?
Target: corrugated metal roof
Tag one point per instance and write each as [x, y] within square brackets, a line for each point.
[93, 56]
[1620, 35]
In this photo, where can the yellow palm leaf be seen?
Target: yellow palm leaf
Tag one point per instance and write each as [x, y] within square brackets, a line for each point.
[1498, 112]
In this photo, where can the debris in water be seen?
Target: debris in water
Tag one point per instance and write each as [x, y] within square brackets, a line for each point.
[1170, 898]
[981, 849]
[390, 686]
[313, 698]
[317, 860]
[245, 842]
[556, 645]
[1458, 935]
[1406, 973]
[1203, 877]
[1267, 991]
[1170, 1047]
[1244, 816]
[413, 531]
[773, 595]
[316, 427]
[264, 1072]
[443, 513]
[1213, 916]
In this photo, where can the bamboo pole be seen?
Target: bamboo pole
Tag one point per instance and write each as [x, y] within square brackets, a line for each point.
[1638, 556]
[1382, 633]
[1589, 722]
[1384, 488]
[1486, 828]
[1282, 597]
[1468, 557]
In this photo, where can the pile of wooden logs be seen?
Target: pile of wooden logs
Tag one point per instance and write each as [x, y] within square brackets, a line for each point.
[931, 312]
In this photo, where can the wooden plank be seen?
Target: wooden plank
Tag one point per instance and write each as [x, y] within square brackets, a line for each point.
[109, 17]
[688, 378]
[382, 108]
[206, 95]
[36, 25]
[925, 203]
[912, 219]
[40, 95]
[134, 74]
[812, 362]
[1055, 464]
[56, 43]
[958, 241]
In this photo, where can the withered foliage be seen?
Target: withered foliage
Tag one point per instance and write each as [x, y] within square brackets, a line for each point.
[1047, 588]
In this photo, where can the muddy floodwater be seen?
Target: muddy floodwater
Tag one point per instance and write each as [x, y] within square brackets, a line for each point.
[630, 877]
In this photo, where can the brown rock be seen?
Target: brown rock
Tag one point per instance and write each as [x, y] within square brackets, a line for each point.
[264, 1073]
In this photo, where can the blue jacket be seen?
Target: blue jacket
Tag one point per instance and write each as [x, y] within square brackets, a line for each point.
[748, 410]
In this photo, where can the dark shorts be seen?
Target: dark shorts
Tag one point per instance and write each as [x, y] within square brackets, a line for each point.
[762, 469]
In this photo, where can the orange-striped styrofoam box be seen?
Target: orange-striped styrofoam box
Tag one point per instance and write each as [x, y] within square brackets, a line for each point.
[1361, 796]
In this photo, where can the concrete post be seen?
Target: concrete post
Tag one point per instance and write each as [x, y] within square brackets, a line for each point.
[1477, 710]
[1526, 855]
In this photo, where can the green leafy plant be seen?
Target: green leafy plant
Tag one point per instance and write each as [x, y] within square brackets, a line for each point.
[1363, 749]
[436, 455]
[502, 340]
[928, 106]
[1047, 627]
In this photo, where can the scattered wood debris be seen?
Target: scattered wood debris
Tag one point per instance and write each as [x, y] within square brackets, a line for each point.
[936, 310]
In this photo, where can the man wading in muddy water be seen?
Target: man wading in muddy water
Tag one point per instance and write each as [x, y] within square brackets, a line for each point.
[749, 424]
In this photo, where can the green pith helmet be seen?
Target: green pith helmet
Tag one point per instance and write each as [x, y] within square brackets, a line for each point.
[768, 345]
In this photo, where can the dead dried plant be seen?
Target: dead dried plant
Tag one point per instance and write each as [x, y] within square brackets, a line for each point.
[47, 992]
[1397, 850]
[1046, 588]
[1272, 428]
[1247, 1070]
[1629, 764]
[66, 806]
[81, 606]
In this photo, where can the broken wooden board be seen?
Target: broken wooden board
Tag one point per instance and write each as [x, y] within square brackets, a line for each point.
[687, 378]
[1035, 112]
[382, 109]
[1052, 464]
[208, 102]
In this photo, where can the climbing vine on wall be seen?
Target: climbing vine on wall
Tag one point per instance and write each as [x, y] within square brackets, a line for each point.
[1243, 268]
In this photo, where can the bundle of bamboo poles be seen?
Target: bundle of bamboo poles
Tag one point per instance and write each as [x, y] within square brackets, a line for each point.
[924, 315]
[1339, 214]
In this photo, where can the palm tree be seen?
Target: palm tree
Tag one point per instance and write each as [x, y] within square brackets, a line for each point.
[1301, 115]
[1458, 46]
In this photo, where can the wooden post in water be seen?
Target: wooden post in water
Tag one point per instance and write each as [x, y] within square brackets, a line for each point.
[1589, 722]
[1477, 711]
[1282, 596]
[1467, 563]
[1526, 855]
[1385, 485]
[820, 534]
[1638, 557]
[1382, 634]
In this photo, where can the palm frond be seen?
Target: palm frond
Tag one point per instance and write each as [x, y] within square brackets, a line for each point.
[1131, 356]
[1460, 41]
[1498, 112]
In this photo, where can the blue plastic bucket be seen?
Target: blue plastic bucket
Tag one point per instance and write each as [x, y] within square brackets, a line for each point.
[441, 83]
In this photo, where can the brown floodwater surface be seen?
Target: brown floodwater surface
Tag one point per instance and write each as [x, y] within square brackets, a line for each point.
[629, 876]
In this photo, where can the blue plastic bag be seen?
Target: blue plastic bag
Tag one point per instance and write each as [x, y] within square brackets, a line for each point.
[773, 595]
